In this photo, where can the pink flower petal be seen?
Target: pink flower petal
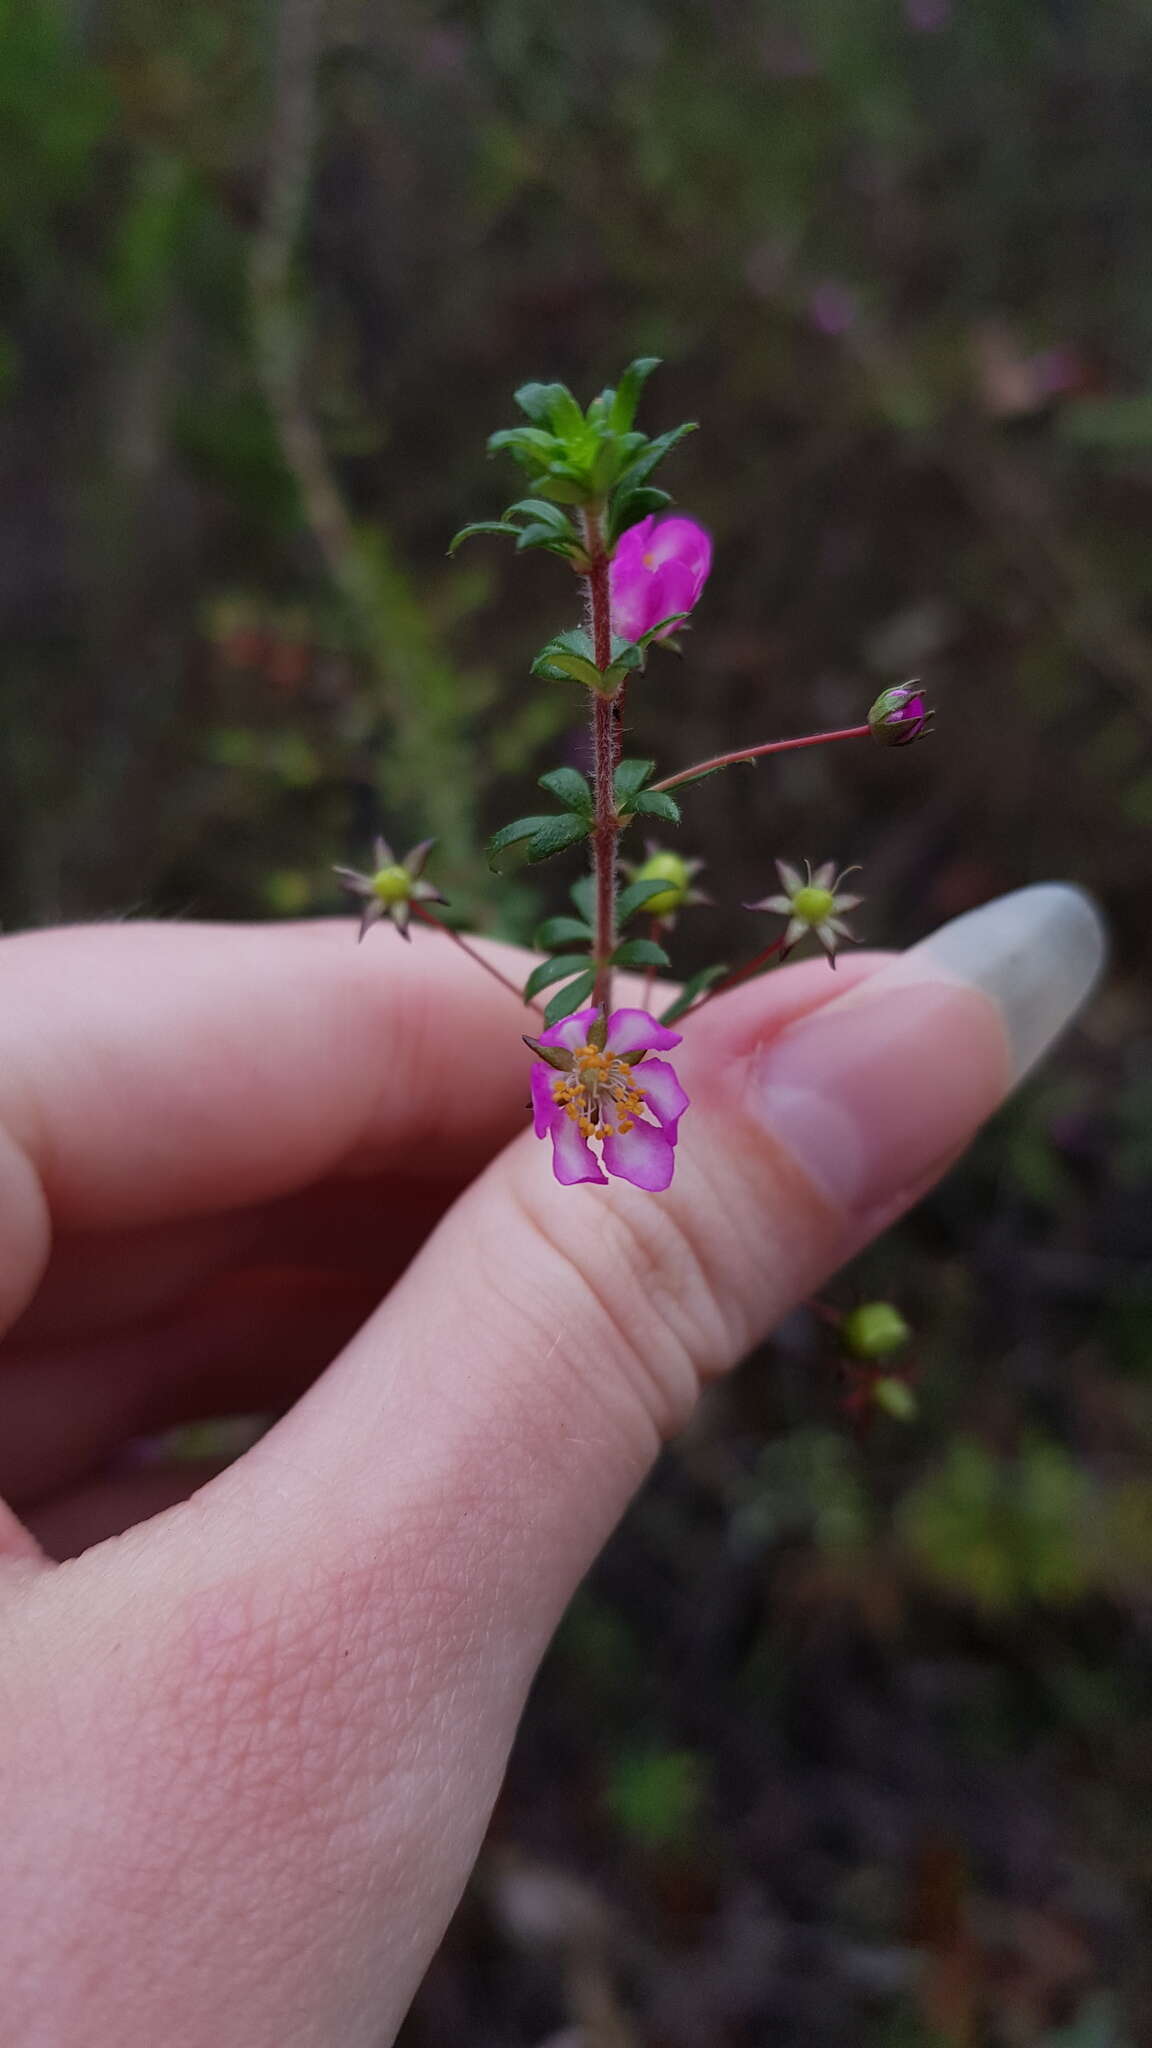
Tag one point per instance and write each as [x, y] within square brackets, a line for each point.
[638, 1031]
[643, 1155]
[570, 1032]
[572, 1156]
[661, 1090]
[682, 541]
[544, 1105]
[660, 568]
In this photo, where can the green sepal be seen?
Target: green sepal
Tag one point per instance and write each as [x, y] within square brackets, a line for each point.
[627, 394]
[549, 971]
[569, 999]
[691, 990]
[628, 508]
[571, 788]
[635, 896]
[481, 526]
[629, 779]
[640, 953]
[652, 455]
[561, 931]
[661, 626]
[552, 1055]
[656, 803]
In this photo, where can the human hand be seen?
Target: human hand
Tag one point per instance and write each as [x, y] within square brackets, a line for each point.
[248, 1748]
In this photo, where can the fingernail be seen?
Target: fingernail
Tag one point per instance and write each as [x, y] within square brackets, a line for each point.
[872, 1091]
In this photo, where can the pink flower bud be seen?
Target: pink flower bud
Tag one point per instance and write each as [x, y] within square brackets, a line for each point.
[900, 715]
[658, 571]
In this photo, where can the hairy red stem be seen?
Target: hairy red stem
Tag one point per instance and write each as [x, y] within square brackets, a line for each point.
[812, 739]
[605, 754]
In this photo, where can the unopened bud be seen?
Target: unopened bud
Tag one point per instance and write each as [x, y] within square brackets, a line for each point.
[665, 867]
[894, 1398]
[874, 1330]
[900, 715]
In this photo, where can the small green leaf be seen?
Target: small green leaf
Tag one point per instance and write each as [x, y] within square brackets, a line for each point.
[640, 953]
[540, 509]
[656, 803]
[561, 931]
[628, 508]
[530, 446]
[567, 668]
[555, 834]
[691, 990]
[540, 536]
[571, 788]
[570, 998]
[568, 655]
[628, 391]
[635, 896]
[550, 405]
[511, 835]
[481, 526]
[653, 454]
[630, 778]
[583, 894]
[549, 971]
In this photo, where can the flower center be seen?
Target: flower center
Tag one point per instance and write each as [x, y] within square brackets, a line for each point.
[599, 1093]
[392, 885]
[813, 905]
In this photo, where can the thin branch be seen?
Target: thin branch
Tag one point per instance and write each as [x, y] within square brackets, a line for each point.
[429, 917]
[812, 739]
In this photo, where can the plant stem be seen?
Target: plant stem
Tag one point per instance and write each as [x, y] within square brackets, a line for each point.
[429, 917]
[812, 739]
[605, 752]
[739, 974]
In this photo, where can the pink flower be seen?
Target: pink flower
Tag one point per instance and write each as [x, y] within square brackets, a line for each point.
[581, 1090]
[658, 570]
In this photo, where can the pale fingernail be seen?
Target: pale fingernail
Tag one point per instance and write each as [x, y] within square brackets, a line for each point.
[872, 1091]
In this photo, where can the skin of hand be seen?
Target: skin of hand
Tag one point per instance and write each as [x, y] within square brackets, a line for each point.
[250, 1739]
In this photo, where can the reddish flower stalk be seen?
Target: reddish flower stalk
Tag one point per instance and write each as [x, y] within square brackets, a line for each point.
[429, 917]
[812, 739]
[739, 974]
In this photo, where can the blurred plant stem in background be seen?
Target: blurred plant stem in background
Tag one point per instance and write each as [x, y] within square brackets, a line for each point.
[426, 767]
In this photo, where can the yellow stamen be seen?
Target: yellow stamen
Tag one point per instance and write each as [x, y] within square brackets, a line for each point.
[599, 1094]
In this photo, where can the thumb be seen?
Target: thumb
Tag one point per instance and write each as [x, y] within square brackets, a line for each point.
[412, 1530]
[550, 1337]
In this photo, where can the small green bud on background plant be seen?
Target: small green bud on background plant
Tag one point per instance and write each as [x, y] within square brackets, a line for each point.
[874, 1330]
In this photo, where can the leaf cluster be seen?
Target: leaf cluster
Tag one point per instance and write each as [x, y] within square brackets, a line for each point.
[577, 457]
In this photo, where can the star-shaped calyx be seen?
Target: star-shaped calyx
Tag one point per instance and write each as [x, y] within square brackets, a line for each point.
[812, 902]
[394, 886]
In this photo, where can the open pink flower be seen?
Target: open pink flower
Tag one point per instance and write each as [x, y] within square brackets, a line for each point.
[581, 1090]
[659, 569]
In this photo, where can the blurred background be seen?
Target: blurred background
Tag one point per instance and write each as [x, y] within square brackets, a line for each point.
[848, 1738]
